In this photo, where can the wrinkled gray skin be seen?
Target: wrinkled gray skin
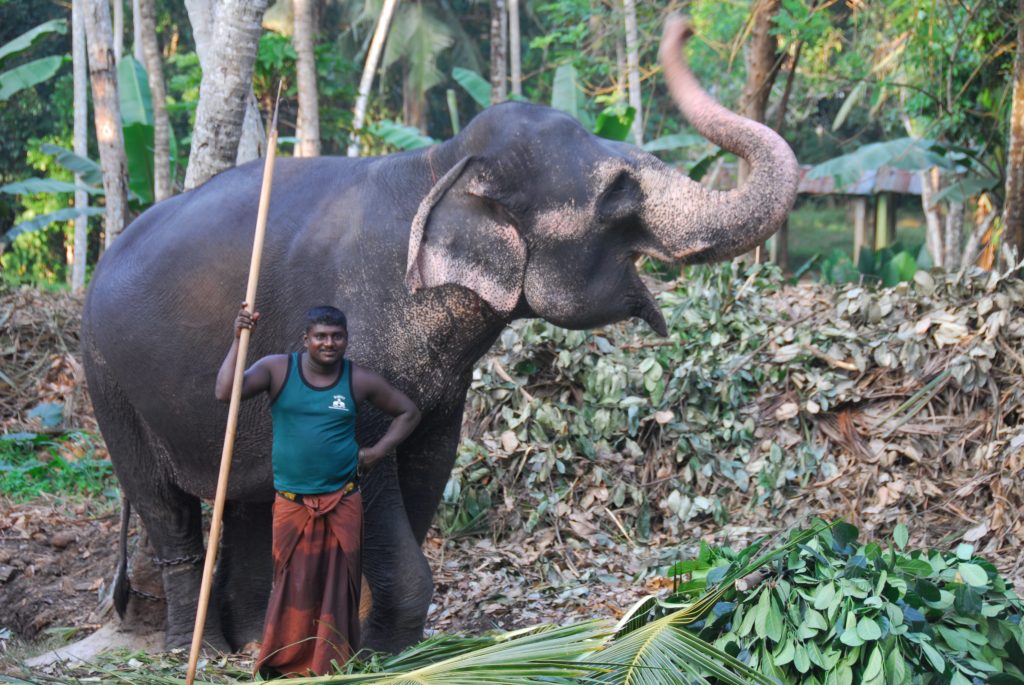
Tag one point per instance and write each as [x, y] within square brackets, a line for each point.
[431, 253]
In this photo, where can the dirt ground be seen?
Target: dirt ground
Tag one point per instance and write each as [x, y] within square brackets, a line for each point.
[56, 563]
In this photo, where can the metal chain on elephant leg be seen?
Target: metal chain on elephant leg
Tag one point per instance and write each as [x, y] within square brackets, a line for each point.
[178, 561]
[146, 596]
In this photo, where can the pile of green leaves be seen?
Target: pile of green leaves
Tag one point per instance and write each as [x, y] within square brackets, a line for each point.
[724, 413]
[835, 611]
[32, 464]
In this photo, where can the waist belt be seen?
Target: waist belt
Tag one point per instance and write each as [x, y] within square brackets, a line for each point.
[297, 497]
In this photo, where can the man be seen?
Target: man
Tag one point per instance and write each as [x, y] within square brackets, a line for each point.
[313, 613]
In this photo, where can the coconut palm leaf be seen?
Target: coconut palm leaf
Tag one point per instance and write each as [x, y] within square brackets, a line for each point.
[527, 657]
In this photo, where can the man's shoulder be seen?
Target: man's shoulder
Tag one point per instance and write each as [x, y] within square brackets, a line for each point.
[274, 362]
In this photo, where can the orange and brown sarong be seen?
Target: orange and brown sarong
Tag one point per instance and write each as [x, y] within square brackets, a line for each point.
[313, 614]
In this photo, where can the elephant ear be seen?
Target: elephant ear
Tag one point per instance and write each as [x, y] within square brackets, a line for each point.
[462, 235]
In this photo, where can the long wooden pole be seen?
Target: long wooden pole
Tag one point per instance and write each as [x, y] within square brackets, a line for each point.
[236, 399]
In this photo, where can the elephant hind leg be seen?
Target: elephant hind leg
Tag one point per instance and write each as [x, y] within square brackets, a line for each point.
[244, 570]
[171, 517]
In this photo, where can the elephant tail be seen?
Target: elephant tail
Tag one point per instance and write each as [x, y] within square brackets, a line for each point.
[122, 585]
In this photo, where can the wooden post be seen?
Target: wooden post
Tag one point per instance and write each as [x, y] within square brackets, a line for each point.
[885, 221]
[863, 230]
[236, 399]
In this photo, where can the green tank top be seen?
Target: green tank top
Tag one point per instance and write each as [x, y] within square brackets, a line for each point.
[315, 449]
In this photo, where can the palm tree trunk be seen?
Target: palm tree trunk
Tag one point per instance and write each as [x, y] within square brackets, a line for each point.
[118, 30]
[304, 40]
[514, 51]
[145, 18]
[107, 115]
[80, 75]
[952, 241]
[1013, 208]
[202, 15]
[499, 87]
[372, 60]
[633, 67]
[225, 89]
[932, 216]
[137, 50]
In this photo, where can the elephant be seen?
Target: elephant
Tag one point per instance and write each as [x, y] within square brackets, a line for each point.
[431, 253]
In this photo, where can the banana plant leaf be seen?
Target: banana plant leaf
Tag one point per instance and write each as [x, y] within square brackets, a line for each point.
[28, 75]
[474, 84]
[45, 220]
[80, 166]
[399, 135]
[46, 185]
[137, 124]
[26, 39]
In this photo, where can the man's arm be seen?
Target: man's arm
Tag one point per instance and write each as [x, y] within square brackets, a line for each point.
[371, 386]
[257, 377]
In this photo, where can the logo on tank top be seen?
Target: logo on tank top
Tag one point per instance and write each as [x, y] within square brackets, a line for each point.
[339, 403]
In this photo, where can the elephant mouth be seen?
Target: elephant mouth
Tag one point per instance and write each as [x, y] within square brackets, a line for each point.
[647, 309]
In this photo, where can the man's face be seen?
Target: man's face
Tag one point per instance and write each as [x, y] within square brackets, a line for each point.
[325, 343]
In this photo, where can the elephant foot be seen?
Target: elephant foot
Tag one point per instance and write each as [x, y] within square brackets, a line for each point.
[182, 583]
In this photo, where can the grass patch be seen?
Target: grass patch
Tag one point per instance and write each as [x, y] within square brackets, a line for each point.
[32, 464]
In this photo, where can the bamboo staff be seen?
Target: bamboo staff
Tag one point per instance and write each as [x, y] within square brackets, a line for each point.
[236, 400]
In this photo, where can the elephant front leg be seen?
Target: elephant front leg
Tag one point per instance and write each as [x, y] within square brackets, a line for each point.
[395, 568]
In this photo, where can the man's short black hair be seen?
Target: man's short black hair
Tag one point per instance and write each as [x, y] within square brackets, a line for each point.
[326, 315]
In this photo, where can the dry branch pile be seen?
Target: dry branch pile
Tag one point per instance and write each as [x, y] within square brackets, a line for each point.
[40, 363]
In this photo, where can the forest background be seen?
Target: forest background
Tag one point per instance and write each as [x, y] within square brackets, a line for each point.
[933, 81]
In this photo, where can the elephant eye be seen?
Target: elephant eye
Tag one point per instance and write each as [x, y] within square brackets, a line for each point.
[620, 201]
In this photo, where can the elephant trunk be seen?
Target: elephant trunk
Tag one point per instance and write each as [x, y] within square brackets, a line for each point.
[689, 223]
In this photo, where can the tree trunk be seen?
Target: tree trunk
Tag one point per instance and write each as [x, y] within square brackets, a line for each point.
[1013, 208]
[633, 67]
[762, 68]
[499, 89]
[932, 215]
[137, 49]
[225, 90]
[514, 51]
[146, 20]
[118, 30]
[202, 15]
[80, 74]
[304, 40]
[952, 241]
[107, 115]
[369, 69]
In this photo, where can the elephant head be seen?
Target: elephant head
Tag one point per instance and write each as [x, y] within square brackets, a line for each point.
[540, 217]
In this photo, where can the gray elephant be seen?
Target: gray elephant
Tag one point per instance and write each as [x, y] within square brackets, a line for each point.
[431, 254]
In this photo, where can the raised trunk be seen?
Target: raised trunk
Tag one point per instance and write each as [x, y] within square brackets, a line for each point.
[689, 223]
[225, 89]
[146, 20]
[762, 67]
[633, 67]
[81, 133]
[304, 40]
[1013, 208]
[107, 115]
